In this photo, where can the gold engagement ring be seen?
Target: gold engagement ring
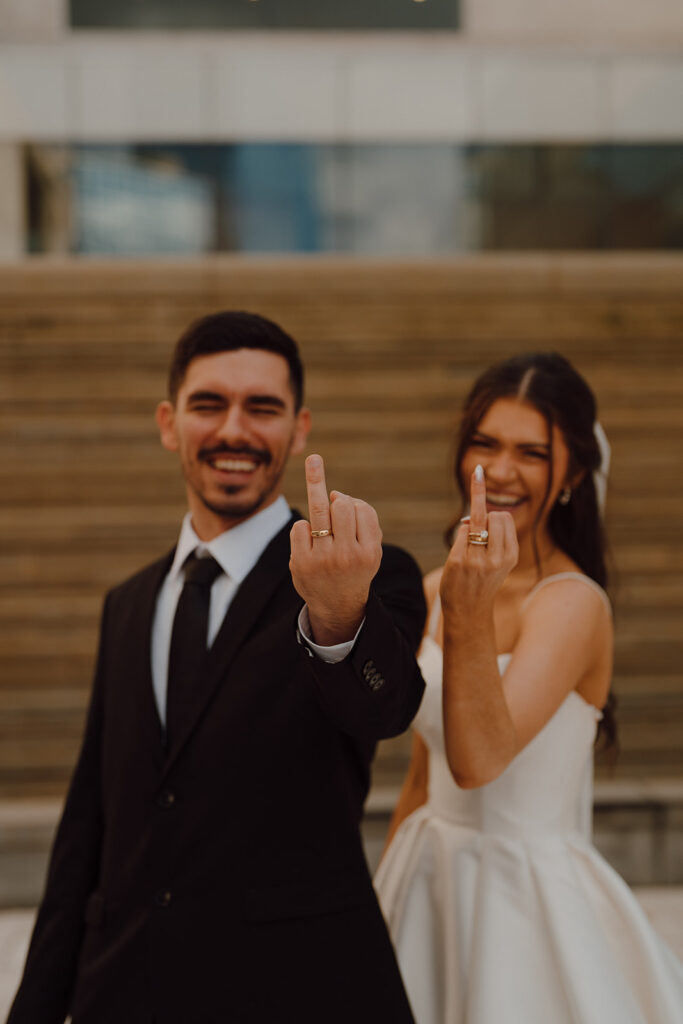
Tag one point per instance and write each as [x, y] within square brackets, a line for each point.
[480, 539]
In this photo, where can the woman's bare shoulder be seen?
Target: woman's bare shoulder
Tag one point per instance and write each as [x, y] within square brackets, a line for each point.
[569, 578]
[569, 599]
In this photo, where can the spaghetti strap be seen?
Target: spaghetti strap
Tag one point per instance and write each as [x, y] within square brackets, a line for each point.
[568, 576]
[434, 616]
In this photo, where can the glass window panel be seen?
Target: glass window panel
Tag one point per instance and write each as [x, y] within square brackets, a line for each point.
[132, 203]
[274, 202]
[266, 14]
[405, 199]
[393, 200]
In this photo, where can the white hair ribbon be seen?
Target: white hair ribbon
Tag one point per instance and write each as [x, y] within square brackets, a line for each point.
[602, 472]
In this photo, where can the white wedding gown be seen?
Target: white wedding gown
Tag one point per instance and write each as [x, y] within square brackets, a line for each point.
[500, 908]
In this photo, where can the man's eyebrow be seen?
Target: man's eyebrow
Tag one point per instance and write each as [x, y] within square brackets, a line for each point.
[215, 396]
[266, 400]
[204, 396]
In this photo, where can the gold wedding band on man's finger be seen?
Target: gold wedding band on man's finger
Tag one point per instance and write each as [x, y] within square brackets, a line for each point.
[318, 501]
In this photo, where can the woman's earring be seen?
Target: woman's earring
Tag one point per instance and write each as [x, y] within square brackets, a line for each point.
[565, 496]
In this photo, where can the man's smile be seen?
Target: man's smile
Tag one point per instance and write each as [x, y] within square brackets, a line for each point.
[234, 465]
[244, 461]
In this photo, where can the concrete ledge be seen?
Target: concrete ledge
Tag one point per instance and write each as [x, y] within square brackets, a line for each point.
[645, 790]
[26, 831]
[606, 792]
[638, 827]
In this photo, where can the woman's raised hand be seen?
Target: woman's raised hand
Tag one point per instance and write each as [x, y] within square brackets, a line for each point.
[484, 552]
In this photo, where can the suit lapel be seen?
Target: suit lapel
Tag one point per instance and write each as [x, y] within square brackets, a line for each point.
[248, 607]
[138, 640]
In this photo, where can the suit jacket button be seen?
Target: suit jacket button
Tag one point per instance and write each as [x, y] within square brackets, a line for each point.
[166, 799]
[163, 898]
[368, 669]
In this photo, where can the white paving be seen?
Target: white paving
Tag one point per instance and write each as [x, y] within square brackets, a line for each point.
[663, 905]
[15, 928]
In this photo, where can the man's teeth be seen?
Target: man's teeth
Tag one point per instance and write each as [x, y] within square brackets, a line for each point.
[235, 465]
[503, 499]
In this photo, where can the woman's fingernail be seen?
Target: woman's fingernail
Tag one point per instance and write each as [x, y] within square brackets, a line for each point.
[479, 473]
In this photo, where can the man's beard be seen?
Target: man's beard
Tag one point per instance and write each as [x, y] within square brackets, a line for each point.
[236, 509]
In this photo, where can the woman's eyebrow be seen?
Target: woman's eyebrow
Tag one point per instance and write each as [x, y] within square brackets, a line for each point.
[519, 444]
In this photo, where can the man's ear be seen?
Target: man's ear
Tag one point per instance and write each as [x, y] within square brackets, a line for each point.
[302, 427]
[165, 417]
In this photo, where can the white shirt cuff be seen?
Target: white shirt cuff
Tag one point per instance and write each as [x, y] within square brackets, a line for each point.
[333, 654]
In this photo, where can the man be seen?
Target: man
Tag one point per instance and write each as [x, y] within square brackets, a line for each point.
[208, 866]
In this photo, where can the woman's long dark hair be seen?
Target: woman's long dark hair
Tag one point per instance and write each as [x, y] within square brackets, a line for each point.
[549, 383]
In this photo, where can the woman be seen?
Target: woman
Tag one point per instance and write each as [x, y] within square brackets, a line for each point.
[501, 910]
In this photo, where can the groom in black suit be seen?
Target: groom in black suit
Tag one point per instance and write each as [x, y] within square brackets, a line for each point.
[208, 866]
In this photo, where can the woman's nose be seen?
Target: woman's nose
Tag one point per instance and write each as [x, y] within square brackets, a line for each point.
[499, 468]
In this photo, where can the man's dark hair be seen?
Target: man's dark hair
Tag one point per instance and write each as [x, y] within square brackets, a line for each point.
[228, 331]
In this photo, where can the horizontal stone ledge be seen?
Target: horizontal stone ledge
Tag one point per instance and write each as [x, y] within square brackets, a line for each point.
[29, 816]
[383, 799]
[28, 823]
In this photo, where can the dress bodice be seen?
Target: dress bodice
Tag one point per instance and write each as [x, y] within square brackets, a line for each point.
[546, 789]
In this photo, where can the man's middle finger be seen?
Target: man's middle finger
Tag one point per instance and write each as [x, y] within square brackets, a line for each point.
[318, 501]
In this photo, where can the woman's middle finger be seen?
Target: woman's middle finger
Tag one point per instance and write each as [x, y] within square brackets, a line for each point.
[478, 523]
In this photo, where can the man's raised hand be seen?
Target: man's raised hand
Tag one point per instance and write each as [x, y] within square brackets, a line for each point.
[334, 558]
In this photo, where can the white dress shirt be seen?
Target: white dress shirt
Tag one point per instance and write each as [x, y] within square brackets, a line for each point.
[237, 551]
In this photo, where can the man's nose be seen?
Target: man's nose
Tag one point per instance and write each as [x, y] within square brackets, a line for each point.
[234, 427]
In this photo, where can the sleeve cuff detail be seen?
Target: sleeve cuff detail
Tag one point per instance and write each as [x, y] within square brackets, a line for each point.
[331, 655]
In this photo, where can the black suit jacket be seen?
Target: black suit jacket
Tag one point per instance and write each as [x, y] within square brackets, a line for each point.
[224, 880]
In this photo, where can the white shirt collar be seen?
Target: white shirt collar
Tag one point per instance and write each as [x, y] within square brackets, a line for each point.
[236, 550]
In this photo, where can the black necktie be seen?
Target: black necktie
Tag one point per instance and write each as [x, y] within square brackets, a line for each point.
[188, 641]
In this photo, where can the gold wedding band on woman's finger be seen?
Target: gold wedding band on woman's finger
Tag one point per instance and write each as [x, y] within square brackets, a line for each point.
[479, 539]
[321, 533]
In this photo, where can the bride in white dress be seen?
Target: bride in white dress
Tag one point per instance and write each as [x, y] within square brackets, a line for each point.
[500, 908]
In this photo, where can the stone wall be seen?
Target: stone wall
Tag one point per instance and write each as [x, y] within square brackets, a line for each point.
[88, 495]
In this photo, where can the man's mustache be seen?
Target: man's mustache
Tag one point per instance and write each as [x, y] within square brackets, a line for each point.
[262, 454]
